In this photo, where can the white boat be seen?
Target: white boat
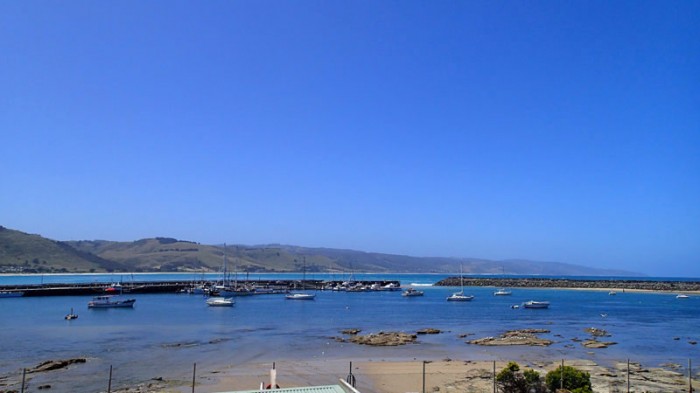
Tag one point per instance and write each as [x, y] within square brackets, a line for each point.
[682, 296]
[460, 296]
[108, 301]
[535, 304]
[220, 302]
[502, 292]
[300, 296]
[11, 294]
[410, 292]
[612, 293]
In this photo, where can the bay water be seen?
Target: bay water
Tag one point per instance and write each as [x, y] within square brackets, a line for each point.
[164, 334]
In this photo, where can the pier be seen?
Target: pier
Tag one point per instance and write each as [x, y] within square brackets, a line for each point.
[249, 287]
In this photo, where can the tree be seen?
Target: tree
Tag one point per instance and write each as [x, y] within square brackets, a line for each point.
[575, 380]
[511, 380]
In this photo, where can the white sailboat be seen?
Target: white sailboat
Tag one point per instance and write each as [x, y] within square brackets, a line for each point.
[460, 296]
[299, 295]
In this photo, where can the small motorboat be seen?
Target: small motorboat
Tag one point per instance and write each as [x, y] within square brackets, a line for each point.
[220, 302]
[300, 296]
[71, 316]
[535, 304]
[410, 292]
[108, 301]
[612, 293]
[681, 296]
[502, 292]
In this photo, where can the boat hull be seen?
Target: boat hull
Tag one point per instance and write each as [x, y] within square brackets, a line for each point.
[111, 303]
[536, 305]
[300, 296]
[220, 302]
[459, 298]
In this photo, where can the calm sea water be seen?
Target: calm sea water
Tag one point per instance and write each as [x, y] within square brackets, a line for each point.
[165, 333]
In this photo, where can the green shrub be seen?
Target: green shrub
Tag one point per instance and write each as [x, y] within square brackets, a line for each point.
[511, 380]
[575, 380]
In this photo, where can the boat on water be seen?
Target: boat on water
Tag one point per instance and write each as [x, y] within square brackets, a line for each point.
[460, 296]
[71, 315]
[612, 293]
[536, 304]
[11, 293]
[220, 302]
[682, 296]
[502, 292]
[300, 296]
[109, 301]
[410, 292]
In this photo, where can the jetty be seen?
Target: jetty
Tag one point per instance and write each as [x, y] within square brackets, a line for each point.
[245, 286]
[602, 284]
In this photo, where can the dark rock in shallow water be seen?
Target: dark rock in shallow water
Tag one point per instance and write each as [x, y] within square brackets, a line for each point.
[42, 387]
[55, 365]
[595, 332]
[351, 331]
[597, 344]
[428, 331]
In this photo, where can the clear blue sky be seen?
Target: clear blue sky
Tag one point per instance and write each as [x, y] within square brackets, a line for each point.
[548, 130]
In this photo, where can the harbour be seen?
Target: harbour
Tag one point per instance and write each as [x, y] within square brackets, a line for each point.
[164, 333]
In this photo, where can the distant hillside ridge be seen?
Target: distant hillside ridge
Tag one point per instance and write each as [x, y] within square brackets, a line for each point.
[28, 253]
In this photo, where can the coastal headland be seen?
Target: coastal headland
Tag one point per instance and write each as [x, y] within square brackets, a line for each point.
[567, 283]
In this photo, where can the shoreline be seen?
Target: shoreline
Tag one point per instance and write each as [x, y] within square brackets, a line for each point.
[446, 375]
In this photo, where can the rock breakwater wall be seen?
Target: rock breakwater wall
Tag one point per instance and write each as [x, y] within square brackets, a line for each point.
[661, 286]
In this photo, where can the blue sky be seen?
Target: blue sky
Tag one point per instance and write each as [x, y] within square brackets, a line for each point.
[555, 131]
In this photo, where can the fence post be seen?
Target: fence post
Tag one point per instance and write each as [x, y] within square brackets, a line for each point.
[109, 384]
[423, 376]
[628, 375]
[24, 373]
[690, 376]
[494, 376]
[561, 376]
[194, 374]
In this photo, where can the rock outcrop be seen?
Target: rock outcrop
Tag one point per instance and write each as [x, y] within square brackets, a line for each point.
[384, 339]
[51, 365]
[516, 337]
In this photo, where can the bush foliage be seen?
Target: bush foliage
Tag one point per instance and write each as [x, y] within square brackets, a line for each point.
[575, 380]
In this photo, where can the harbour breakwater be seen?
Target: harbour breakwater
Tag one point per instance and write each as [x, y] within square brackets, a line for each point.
[612, 284]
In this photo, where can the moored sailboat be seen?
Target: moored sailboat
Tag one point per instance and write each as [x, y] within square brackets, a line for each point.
[460, 296]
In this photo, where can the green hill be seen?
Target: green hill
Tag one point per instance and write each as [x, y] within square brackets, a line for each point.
[22, 252]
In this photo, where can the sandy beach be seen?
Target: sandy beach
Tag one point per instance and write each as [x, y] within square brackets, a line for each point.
[448, 375]
[397, 376]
